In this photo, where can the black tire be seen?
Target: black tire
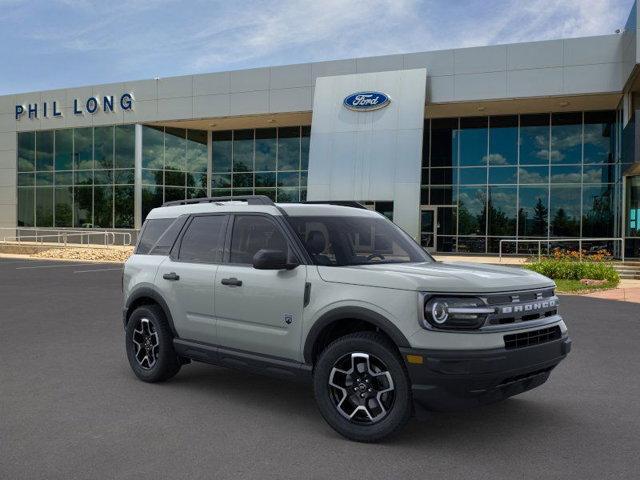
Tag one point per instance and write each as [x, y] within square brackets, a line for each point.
[165, 361]
[378, 350]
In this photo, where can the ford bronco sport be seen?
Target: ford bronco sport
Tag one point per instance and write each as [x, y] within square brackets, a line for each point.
[338, 295]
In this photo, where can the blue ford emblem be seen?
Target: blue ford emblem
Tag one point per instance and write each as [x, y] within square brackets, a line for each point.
[366, 101]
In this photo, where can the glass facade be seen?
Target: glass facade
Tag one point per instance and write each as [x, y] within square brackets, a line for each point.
[77, 177]
[174, 165]
[84, 177]
[534, 176]
[265, 161]
[539, 176]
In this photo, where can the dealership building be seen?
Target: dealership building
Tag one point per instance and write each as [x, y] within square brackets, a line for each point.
[462, 148]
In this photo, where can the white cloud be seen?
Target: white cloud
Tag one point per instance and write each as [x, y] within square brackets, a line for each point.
[144, 38]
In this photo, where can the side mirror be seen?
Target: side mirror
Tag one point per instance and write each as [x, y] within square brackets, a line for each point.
[272, 260]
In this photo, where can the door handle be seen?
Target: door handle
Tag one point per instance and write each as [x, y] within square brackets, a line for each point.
[232, 282]
[171, 276]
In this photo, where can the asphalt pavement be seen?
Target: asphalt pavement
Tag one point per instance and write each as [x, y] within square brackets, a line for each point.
[71, 408]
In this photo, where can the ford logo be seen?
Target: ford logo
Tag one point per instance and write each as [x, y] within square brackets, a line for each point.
[366, 101]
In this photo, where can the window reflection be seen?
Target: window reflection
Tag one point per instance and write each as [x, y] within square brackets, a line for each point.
[501, 210]
[471, 211]
[278, 171]
[534, 139]
[266, 149]
[44, 150]
[473, 141]
[174, 162]
[566, 138]
[565, 211]
[597, 211]
[444, 149]
[502, 175]
[598, 137]
[534, 175]
[75, 177]
[533, 212]
[503, 140]
[571, 174]
[473, 176]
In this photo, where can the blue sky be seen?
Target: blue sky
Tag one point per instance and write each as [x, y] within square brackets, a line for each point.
[47, 44]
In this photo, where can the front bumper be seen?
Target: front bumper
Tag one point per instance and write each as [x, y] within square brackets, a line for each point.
[456, 379]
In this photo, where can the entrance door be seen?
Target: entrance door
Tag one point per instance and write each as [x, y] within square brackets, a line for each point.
[428, 223]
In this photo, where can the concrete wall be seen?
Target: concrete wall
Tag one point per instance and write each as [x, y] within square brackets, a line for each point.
[375, 155]
[8, 148]
[536, 69]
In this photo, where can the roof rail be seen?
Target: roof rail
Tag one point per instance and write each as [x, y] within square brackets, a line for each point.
[342, 203]
[250, 199]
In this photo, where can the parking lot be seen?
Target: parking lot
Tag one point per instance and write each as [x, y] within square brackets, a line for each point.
[71, 408]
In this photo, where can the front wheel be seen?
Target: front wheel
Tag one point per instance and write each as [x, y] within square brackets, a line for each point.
[362, 388]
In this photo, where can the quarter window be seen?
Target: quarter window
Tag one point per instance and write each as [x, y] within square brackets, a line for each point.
[151, 232]
[203, 240]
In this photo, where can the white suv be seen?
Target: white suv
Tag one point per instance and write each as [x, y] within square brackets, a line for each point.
[340, 296]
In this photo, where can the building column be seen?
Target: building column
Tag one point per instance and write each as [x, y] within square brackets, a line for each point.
[137, 189]
[209, 161]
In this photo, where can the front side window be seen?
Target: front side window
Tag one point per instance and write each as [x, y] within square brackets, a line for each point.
[344, 241]
[203, 241]
[252, 233]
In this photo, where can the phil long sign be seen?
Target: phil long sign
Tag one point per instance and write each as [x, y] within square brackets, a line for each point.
[91, 105]
[366, 101]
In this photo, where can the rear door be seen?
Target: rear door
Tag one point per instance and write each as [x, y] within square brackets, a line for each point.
[186, 278]
[259, 311]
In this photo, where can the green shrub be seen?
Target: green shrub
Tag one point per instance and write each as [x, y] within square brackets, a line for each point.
[572, 270]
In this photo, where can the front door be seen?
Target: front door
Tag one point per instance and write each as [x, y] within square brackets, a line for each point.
[428, 224]
[259, 311]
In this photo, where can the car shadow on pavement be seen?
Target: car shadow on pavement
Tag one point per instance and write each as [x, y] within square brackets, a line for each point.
[515, 419]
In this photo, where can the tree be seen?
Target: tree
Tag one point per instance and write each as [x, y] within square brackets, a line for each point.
[540, 219]
[563, 225]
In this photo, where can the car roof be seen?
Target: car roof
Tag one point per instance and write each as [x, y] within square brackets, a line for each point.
[277, 209]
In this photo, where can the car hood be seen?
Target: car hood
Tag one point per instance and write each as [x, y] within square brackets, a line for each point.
[443, 277]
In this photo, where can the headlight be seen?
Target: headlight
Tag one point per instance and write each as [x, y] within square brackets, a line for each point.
[455, 313]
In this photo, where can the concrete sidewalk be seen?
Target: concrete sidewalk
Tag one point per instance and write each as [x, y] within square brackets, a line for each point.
[627, 291]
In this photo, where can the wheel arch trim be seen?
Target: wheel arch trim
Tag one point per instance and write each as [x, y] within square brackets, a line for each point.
[352, 313]
[148, 292]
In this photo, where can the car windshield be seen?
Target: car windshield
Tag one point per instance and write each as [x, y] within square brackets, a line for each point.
[357, 240]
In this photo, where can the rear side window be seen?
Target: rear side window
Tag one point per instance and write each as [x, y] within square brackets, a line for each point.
[252, 233]
[168, 238]
[203, 240]
[151, 232]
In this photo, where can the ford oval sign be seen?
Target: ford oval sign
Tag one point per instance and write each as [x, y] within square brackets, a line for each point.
[366, 101]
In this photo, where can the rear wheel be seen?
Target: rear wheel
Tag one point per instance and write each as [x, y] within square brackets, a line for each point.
[149, 344]
[362, 388]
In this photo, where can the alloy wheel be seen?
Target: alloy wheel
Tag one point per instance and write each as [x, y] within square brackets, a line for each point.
[146, 343]
[361, 388]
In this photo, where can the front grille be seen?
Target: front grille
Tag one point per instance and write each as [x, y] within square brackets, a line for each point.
[522, 306]
[522, 296]
[534, 337]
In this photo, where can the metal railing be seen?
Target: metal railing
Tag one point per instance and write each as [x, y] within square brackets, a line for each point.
[82, 238]
[549, 242]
